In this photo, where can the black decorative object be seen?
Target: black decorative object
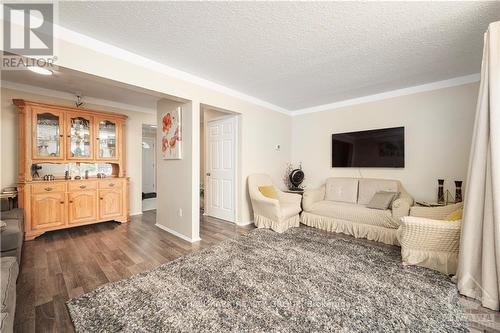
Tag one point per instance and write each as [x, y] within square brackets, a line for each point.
[66, 175]
[458, 191]
[86, 174]
[296, 178]
[441, 198]
[34, 170]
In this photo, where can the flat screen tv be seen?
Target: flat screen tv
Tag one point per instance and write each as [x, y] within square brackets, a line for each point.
[380, 148]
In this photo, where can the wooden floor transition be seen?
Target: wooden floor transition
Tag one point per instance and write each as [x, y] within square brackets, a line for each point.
[63, 264]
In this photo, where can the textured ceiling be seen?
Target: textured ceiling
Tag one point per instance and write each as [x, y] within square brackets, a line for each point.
[297, 54]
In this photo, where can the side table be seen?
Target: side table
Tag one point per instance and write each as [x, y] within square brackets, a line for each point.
[11, 197]
[433, 204]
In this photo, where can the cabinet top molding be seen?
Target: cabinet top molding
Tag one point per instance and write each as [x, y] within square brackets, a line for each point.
[21, 103]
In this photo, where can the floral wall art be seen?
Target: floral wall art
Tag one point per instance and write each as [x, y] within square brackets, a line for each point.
[171, 145]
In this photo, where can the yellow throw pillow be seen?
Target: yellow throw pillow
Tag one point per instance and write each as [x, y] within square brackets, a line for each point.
[268, 191]
[456, 215]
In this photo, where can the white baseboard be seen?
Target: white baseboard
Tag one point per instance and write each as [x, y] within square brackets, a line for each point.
[244, 223]
[136, 213]
[178, 234]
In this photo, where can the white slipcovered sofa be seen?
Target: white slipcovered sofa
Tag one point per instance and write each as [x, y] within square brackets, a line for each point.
[340, 206]
[277, 214]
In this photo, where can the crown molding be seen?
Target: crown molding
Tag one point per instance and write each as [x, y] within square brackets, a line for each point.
[457, 81]
[133, 58]
[70, 97]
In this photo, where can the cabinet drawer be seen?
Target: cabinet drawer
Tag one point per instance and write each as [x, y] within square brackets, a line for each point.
[111, 183]
[49, 187]
[82, 185]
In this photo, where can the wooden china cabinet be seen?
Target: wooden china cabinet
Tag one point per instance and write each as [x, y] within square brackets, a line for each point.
[53, 134]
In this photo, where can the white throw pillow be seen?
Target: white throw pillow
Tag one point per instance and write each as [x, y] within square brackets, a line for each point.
[341, 190]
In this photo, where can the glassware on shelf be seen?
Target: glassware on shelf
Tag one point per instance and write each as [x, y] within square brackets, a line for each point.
[107, 139]
[80, 137]
[48, 136]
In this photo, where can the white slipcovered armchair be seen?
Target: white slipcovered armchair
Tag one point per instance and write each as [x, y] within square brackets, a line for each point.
[278, 214]
[429, 241]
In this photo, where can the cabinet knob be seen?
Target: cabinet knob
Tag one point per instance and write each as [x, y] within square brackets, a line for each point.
[71, 201]
[83, 186]
[111, 184]
[101, 198]
[61, 202]
[48, 189]
[60, 135]
[69, 135]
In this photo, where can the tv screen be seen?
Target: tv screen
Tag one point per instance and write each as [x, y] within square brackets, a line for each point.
[381, 148]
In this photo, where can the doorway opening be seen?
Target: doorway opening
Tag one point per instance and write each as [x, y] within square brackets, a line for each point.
[219, 130]
[148, 167]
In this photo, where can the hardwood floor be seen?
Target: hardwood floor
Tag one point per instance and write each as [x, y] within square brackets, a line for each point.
[63, 264]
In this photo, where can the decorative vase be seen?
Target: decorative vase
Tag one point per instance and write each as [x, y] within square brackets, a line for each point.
[458, 191]
[440, 191]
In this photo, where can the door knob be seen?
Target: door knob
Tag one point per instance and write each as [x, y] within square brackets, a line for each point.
[208, 174]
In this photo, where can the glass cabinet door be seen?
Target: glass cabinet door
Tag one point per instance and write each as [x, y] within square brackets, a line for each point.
[49, 135]
[107, 138]
[79, 138]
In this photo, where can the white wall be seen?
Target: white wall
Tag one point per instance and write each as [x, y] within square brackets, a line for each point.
[133, 133]
[178, 180]
[438, 129]
[261, 128]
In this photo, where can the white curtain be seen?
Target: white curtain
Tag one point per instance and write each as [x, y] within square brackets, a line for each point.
[478, 273]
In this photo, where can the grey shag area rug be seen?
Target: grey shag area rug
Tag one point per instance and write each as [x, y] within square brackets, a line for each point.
[298, 281]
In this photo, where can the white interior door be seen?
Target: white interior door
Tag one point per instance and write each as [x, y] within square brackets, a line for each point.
[221, 168]
[148, 165]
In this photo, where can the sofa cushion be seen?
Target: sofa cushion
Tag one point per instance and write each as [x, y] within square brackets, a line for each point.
[341, 190]
[354, 213]
[16, 213]
[11, 235]
[368, 188]
[9, 271]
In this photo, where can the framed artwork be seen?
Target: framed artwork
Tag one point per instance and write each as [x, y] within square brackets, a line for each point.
[171, 144]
